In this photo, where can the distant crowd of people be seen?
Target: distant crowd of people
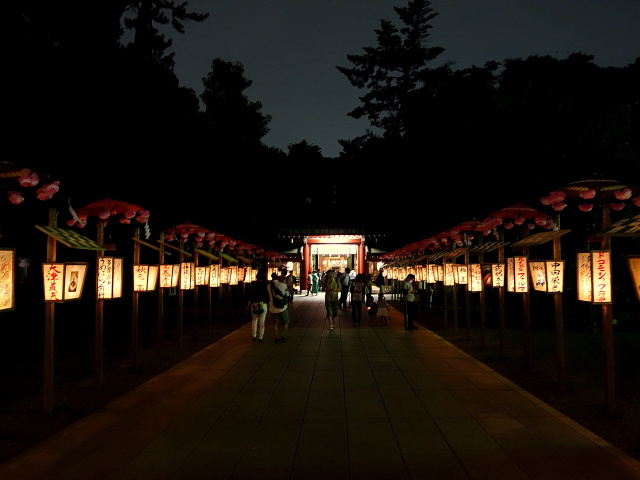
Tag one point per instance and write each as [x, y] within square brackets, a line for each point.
[275, 297]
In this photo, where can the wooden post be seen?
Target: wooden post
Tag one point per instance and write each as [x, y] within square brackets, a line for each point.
[196, 309]
[49, 317]
[209, 298]
[526, 306]
[501, 304]
[134, 306]
[557, 299]
[607, 329]
[180, 298]
[98, 359]
[467, 299]
[483, 320]
[160, 316]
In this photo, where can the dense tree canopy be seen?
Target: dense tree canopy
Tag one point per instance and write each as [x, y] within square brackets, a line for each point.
[94, 82]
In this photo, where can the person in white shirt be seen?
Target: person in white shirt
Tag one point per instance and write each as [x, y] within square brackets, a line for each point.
[409, 291]
[279, 307]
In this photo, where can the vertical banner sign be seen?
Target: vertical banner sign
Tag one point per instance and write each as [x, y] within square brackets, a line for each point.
[601, 275]
[521, 274]
[169, 274]
[463, 274]
[7, 292]
[555, 276]
[475, 277]
[487, 275]
[498, 274]
[225, 275]
[53, 274]
[538, 275]
[431, 273]
[109, 277]
[401, 273]
[202, 275]
[418, 274]
[233, 275]
[187, 276]
[448, 274]
[583, 263]
[214, 276]
[511, 275]
[145, 278]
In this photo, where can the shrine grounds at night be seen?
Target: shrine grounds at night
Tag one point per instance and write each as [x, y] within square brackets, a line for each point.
[23, 423]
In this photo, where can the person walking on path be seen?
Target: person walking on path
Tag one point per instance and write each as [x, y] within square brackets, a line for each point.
[368, 289]
[409, 291]
[309, 282]
[344, 292]
[380, 282]
[291, 285]
[332, 289]
[357, 290]
[315, 280]
[258, 304]
[279, 307]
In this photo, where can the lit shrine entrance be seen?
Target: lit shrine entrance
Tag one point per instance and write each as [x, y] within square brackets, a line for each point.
[333, 252]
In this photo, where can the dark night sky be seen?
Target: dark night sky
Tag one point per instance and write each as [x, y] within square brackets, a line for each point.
[290, 48]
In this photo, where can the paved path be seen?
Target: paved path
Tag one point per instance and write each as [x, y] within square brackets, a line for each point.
[374, 402]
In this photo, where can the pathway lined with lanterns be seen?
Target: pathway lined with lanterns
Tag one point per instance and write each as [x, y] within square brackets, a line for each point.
[355, 402]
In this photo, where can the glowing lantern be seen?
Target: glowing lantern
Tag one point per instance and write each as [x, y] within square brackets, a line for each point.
[109, 278]
[601, 276]
[475, 277]
[585, 284]
[431, 273]
[520, 275]
[145, 278]
[7, 276]
[169, 275]
[233, 275]
[187, 276]
[538, 275]
[555, 276]
[511, 275]
[63, 281]
[462, 274]
[497, 274]
[225, 275]
[214, 276]
[634, 267]
[448, 274]
[202, 275]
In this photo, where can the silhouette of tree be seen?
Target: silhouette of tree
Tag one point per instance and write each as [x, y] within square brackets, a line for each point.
[392, 71]
[234, 120]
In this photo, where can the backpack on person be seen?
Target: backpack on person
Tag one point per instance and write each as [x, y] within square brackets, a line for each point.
[279, 300]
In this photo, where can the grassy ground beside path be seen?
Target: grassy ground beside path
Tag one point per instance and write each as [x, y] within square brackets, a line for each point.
[583, 399]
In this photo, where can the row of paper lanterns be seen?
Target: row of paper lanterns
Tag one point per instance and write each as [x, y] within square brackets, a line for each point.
[520, 275]
[65, 281]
